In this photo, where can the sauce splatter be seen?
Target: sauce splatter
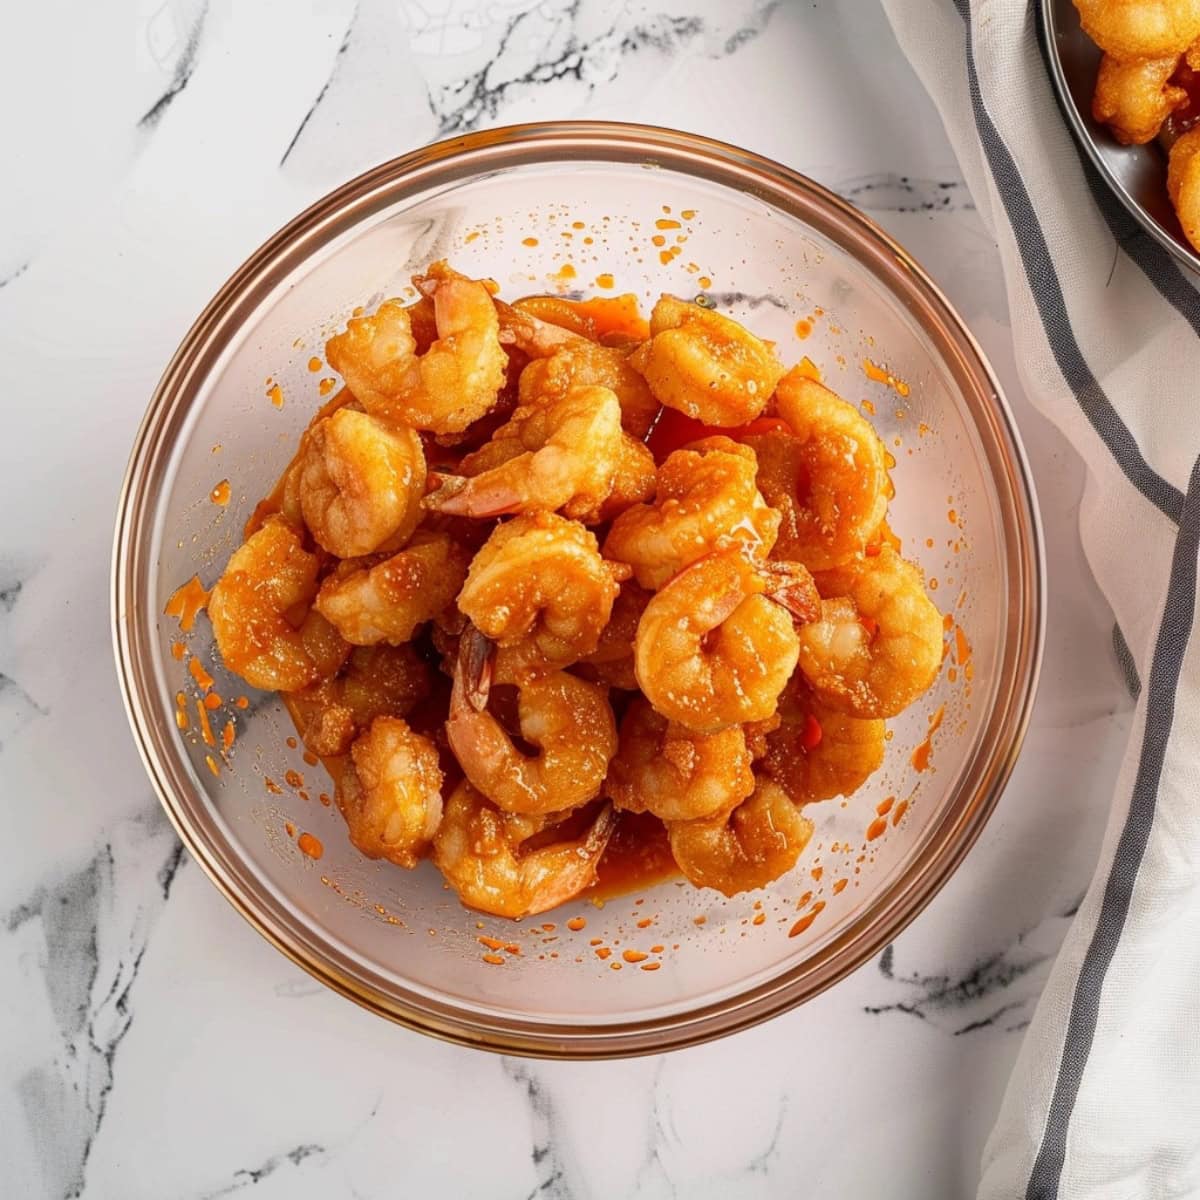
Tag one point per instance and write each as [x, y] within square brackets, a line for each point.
[220, 493]
[885, 806]
[493, 960]
[294, 779]
[806, 921]
[178, 650]
[326, 386]
[634, 956]
[211, 763]
[878, 374]
[289, 828]
[242, 702]
[921, 755]
[651, 966]
[212, 701]
[203, 679]
[272, 786]
[186, 602]
[839, 886]
[901, 809]
[205, 727]
[227, 736]
[314, 364]
[804, 328]
[603, 952]
[310, 845]
[877, 828]
[275, 395]
[962, 648]
[576, 924]
[529, 241]
[605, 280]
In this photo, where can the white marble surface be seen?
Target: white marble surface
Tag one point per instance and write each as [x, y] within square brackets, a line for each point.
[152, 1044]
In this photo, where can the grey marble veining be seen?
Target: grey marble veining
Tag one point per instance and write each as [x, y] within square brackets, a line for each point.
[154, 1045]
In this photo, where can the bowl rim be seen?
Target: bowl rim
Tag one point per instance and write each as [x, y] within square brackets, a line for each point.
[543, 142]
[1051, 30]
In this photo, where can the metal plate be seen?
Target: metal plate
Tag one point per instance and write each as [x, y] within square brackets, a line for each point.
[1137, 174]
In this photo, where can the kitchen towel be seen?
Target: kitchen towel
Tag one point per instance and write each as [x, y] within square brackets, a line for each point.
[1104, 1100]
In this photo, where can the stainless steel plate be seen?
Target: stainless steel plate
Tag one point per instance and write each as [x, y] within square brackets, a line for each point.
[1137, 174]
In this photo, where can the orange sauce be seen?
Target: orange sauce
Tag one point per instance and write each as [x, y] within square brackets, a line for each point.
[196, 669]
[962, 648]
[294, 779]
[804, 328]
[605, 280]
[227, 736]
[186, 602]
[575, 924]
[877, 828]
[314, 364]
[650, 966]
[220, 493]
[920, 756]
[806, 921]
[310, 845]
[275, 395]
[211, 763]
[242, 702]
[638, 856]
[178, 650]
[839, 886]
[613, 314]
[885, 806]
[664, 223]
[205, 727]
[634, 956]
[901, 809]
[529, 241]
[212, 701]
[493, 959]
[704, 282]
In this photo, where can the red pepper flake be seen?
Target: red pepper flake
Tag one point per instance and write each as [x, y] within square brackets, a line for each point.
[810, 739]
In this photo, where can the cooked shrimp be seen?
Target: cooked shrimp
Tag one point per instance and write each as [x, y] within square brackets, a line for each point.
[568, 719]
[1129, 29]
[386, 601]
[677, 775]
[391, 792]
[816, 752]
[539, 588]
[829, 481]
[704, 496]
[564, 359]
[706, 365]
[443, 390]
[560, 455]
[746, 849]
[612, 660]
[632, 484]
[712, 650]
[877, 644]
[266, 581]
[1135, 98]
[360, 483]
[1183, 183]
[479, 851]
[378, 681]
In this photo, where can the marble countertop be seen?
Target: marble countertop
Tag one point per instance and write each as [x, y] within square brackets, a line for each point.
[153, 1045]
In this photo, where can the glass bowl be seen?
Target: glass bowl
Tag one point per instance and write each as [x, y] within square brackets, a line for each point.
[552, 208]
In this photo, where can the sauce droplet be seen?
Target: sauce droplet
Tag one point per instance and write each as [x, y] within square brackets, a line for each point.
[275, 395]
[186, 602]
[576, 924]
[310, 845]
[220, 493]
[196, 669]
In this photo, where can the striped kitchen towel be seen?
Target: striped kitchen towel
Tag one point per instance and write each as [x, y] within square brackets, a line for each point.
[1104, 1100]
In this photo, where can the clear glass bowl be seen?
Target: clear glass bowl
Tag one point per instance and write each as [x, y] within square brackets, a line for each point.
[550, 208]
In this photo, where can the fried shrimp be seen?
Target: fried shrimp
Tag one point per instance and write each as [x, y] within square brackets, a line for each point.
[1129, 29]
[563, 359]
[712, 650]
[705, 496]
[706, 365]
[746, 849]
[480, 851]
[360, 483]
[877, 643]
[539, 589]
[377, 681]
[1183, 183]
[568, 719]
[816, 752]
[386, 601]
[1135, 98]
[454, 382]
[391, 794]
[677, 775]
[560, 455]
[268, 579]
[828, 478]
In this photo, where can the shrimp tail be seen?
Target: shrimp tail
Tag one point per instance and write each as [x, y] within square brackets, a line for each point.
[602, 829]
[459, 496]
[791, 586]
[473, 676]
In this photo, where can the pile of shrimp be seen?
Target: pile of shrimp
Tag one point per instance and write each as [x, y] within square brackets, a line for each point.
[1148, 86]
[503, 620]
